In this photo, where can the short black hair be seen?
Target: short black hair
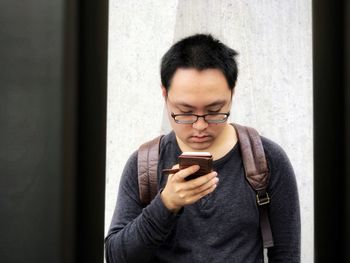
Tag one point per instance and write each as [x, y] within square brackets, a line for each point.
[200, 51]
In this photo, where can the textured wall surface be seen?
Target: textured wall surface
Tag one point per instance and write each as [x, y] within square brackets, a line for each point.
[273, 93]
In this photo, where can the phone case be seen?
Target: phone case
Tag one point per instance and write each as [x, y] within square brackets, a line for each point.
[203, 159]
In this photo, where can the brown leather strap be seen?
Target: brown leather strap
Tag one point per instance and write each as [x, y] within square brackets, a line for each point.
[147, 164]
[257, 174]
[265, 226]
[253, 157]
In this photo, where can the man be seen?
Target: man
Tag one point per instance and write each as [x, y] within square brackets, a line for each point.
[213, 218]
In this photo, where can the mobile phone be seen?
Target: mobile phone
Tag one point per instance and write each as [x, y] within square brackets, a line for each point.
[203, 159]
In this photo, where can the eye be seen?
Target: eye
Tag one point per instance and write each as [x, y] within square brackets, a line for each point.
[214, 110]
[182, 111]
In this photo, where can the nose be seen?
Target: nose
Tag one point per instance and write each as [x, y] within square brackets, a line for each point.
[200, 124]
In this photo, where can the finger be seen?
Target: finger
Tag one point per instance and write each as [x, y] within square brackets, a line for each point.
[206, 186]
[182, 174]
[206, 192]
[195, 183]
[175, 166]
[196, 197]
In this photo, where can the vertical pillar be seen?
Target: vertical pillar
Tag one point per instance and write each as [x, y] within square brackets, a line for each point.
[331, 130]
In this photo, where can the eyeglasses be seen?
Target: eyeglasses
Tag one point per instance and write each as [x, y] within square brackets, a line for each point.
[189, 118]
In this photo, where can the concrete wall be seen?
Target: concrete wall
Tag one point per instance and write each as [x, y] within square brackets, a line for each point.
[273, 93]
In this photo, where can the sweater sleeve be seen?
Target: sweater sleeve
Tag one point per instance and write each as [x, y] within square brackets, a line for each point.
[284, 210]
[136, 232]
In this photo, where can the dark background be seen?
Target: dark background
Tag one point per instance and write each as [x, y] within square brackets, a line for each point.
[331, 66]
[53, 72]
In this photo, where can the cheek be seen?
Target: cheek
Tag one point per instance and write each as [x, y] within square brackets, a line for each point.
[215, 129]
[182, 130]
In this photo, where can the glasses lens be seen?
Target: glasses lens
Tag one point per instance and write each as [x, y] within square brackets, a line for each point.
[185, 118]
[216, 118]
[192, 118]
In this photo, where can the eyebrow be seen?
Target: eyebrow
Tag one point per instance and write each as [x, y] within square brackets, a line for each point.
[215, 103]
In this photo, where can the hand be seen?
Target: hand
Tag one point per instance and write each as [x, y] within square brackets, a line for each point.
[178, 192]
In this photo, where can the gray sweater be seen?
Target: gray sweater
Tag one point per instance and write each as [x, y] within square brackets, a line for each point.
[221, 227]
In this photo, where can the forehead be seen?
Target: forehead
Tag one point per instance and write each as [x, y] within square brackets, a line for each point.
[192, 85]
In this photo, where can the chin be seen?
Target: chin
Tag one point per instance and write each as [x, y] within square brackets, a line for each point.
[199, 146]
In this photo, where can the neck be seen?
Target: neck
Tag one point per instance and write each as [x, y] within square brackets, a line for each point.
[223, 143]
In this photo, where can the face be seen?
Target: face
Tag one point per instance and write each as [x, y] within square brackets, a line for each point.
[198, 92]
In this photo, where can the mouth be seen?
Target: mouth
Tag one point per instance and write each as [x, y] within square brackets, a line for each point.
[200, 138]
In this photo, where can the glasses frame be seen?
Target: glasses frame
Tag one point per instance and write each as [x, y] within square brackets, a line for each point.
[227, 114]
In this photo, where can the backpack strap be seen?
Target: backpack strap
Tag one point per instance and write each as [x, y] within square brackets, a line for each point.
[257, 174]
[147, 164]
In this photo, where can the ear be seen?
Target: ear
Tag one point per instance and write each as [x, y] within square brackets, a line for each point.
[232, 93]
[164, 92]
[233, 89]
